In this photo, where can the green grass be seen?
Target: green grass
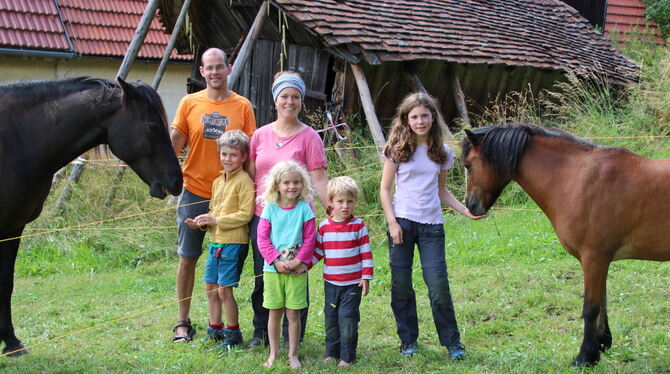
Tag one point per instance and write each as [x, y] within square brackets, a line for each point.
[517, 296]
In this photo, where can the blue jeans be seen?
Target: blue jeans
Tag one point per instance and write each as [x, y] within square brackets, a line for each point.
[341, 308]
[429, 238]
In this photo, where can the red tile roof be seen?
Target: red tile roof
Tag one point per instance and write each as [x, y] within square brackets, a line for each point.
[627, 16]
[94, 27]
[540, 33]
[31, 24]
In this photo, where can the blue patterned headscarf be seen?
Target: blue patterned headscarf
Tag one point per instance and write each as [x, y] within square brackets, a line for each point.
[288, 80]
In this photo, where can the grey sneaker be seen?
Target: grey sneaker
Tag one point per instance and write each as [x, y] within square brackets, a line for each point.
[408, 349]
[457, 351]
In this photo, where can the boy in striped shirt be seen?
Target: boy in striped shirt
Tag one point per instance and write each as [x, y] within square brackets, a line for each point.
[342, 241]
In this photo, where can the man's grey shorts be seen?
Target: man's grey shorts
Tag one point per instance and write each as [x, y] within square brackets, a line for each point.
[190, 240]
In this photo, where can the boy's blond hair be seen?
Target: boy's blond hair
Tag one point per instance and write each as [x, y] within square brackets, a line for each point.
[342, 185]
[235, 139]
[273, 178]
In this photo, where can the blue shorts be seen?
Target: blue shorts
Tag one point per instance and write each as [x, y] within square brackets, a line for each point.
[223, 270]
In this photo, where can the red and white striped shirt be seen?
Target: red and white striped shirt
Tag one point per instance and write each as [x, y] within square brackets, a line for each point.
[345, 247]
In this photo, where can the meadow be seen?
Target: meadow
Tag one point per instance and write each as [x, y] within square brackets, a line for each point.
[95, 288]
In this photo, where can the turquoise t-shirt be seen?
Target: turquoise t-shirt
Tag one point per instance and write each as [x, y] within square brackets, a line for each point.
[286, 226]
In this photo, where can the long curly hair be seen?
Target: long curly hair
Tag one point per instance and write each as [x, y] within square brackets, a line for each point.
[273, 178]
[402, 141]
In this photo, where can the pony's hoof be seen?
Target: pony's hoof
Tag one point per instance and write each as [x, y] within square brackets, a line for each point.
[605, 343]
[15, 351]
[583, 363]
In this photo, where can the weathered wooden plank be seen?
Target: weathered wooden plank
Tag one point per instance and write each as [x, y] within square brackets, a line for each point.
[247, 46]
[369, 108]
[459, 97]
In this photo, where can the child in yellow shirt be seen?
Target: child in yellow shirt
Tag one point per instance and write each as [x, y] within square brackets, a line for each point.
[231, 209]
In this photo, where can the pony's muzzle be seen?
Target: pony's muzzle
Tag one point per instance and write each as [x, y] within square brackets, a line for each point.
[160, 190]
[475, 206]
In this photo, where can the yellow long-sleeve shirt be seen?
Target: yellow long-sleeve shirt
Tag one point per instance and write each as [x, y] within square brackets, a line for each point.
[233, 206]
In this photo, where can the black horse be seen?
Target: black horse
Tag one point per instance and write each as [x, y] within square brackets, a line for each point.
[45, 125]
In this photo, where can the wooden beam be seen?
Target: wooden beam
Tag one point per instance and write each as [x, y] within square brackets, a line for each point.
[410, 70]
[173, 40]
[138, 39]
[369, 108]
[459, 97]
[248, 44]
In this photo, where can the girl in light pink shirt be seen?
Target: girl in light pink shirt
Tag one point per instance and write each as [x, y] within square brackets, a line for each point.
[416, 161]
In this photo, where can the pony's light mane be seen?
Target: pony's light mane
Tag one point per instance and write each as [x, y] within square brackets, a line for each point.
[503, 146]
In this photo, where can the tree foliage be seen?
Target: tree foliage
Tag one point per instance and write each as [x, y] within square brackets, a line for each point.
[659, 12]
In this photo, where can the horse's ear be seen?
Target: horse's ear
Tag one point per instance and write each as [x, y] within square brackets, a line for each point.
[471, 136]
[128, 90]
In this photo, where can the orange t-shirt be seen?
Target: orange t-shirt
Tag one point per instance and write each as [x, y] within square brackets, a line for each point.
[202, 120]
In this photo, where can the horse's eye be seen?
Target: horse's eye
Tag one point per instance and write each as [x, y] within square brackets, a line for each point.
[153, 126]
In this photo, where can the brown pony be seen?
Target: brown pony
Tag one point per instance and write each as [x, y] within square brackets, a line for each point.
[605, 203]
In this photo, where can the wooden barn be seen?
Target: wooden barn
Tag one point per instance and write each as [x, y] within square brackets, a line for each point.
[367, 54]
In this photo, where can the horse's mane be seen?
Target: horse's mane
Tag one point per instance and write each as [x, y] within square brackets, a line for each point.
[153, 97]
[38, 92]
[99, 91]
[503, 146]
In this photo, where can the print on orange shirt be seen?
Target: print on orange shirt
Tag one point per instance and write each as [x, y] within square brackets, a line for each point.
[214, 124]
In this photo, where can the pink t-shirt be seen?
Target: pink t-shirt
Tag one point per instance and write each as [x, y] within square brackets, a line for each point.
[267, 149]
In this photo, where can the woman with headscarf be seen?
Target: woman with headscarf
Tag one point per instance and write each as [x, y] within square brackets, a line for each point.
[287, 138]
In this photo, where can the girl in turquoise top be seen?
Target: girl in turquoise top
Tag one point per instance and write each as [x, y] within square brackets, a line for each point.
[286, 239]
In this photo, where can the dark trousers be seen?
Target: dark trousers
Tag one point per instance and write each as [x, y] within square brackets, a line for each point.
[430, 241]
[341, 308]
[261, 315]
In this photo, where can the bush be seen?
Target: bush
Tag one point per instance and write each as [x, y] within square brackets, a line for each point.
[659, 12]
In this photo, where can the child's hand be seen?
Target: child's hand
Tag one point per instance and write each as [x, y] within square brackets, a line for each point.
[302, 268]
[469, 214]
[396, 233]
[293, 264]
[281, 267]
[365, 285]
[205, 220]
[191, 223]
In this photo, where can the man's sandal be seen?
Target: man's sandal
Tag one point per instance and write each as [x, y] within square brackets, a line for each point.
[189, 334]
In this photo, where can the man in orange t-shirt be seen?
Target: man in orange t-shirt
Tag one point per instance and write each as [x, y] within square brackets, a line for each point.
[200, 119]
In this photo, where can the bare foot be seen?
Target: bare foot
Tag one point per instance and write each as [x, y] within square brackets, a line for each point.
[344, 363]
[294, 362]
[268, 364]
[328, 360]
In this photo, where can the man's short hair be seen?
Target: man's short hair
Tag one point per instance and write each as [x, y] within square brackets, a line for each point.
[234, 139]
[215, 50]
[342, 185]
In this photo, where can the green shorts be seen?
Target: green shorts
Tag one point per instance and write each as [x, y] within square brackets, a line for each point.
[284, 291]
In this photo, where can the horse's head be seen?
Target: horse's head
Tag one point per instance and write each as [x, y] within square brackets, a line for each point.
[484, 181]
[138, 134]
